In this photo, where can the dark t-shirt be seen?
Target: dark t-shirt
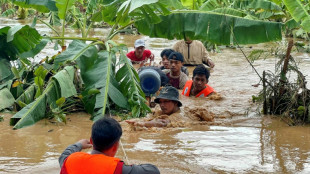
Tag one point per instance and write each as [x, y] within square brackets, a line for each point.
[175, 82]
[132, 56]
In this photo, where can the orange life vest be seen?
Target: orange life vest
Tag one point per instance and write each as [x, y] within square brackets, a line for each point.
[84, 163]
[204, 93]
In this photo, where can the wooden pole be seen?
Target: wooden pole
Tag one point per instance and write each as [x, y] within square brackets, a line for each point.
[264, 94]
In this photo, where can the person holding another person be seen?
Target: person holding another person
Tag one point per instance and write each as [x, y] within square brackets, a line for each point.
[198, 86]
[194, 52]
[105, 140]
[165, 61]
[176, 77]
[140, 55]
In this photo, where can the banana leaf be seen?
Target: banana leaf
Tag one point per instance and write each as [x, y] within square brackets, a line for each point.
[213, 27]
[36, 50]
[63, 7]
[28, 96]
[291, 24]
[129, 82]
[43, 6]
[5, 70]
[299, 13]
[230, 11]
[257, 4]
[6, 98]
[17, 40]
[121, 12]
[210, 5]
[65, 81]
[36, 110]
[76, 50]
[102, 71]
[192, 4]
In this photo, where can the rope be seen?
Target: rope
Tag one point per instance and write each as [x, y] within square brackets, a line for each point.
[126, 157]
[120, 142]
[236, 42]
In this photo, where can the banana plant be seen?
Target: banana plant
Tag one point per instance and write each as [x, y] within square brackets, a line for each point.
[299, 13]
[60, 85]
[107, 76]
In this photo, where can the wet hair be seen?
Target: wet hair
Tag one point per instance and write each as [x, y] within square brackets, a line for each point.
[166, 52]
[176, 56]
[105, 133]
[201, 70]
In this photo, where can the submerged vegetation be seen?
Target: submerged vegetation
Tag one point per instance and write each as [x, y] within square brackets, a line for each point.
[93, 74]
[284, 91]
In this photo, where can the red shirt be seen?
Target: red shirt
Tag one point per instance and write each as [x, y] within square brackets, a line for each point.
[131, 55]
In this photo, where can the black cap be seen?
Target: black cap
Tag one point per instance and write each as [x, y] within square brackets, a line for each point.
[176, 56]
[169, 93]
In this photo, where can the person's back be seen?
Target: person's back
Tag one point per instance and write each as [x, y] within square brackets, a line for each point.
[105, 137]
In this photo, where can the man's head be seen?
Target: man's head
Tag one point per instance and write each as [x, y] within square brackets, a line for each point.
[105, 136]
[164, 55]
[176, 62]
[139, 47]
[168, 100]
[200, 77]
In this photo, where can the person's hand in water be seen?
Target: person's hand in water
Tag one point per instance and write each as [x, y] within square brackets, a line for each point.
[211, 63]
[135, 123]
[85, 144]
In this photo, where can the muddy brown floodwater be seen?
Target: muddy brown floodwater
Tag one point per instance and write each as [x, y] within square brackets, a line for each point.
[239, 141]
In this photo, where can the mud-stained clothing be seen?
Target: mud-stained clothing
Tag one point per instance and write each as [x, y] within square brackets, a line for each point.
[176, 81]
[126, 169]
[194, 53]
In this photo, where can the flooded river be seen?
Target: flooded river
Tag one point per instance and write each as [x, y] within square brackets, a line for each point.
[240, 140]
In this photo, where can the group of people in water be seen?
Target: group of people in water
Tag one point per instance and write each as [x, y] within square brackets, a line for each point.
[106, 132]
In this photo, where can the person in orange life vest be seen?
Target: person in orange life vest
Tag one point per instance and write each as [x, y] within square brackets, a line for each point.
[166, 63]
[105, 136]
[140, 55]
[198, 87]
[176, 77]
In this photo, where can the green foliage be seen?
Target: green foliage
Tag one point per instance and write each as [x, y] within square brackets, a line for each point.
[210, 5]
[43, 6]
[40, 74]
[28, 95]
[6, 99]
[192, 4]
[17, 40]
[65, 82]
[5, 70]
[63, 6]
[36, 110]
[130, 86]
[214, 27]
[298, 12]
